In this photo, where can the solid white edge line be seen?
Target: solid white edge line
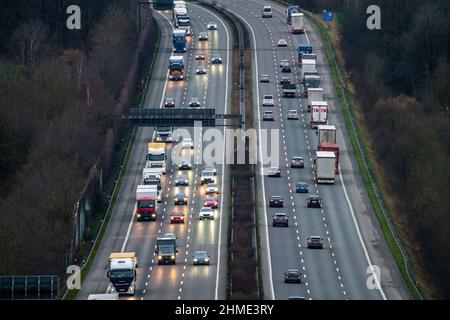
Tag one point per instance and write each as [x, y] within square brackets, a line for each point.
[272, 292]
[216, 292]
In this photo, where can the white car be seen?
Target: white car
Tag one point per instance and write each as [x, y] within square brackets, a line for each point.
[187, 143]
[283, 63]
[206, 213]
[212, 188]
[264, 78]
[207, 177]
[210, 168]
[282, 43]
[268, 101]
[211, 26]
[292, 115]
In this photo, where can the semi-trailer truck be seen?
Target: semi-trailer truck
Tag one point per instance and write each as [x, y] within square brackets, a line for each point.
[325, 167]
[297, 22]
[314, 94]
[122, 272]
[156, 156]
[319, 113]
[176, 68]
[179, 40]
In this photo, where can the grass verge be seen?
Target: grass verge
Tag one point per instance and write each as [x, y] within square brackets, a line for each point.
[72, 294]
[365, 167]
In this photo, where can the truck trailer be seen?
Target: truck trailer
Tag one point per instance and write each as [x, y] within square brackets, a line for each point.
[314, 94]
[308, 67]
[325, 167]
[297, 23]
[319, 113]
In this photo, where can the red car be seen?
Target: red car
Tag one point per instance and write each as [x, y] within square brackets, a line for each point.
[177, 217]
[211, 203]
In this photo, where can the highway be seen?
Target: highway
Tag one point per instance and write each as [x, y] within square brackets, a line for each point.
[347, 223]
[124, 233]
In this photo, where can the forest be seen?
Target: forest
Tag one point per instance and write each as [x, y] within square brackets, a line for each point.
[401, 76]
[58, 88]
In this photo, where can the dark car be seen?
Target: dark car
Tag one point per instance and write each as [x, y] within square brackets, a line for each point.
[302, 187]
[297, 162]
[185, 165]
[181, 198]
[211, 202]
[314, 201]
[177, 217]
[181, 181]
[276, 201]
[286, 68]
[285, 80]
[200, 258]
[315, 242]
[216, 59]
[169, 103]
[280, 220]
[292, 276]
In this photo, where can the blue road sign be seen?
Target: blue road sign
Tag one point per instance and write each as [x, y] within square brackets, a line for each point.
[327, 16]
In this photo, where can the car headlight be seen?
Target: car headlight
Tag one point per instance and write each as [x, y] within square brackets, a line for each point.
[139, 215]
[195, 260]
[207, 259]
[172, 257]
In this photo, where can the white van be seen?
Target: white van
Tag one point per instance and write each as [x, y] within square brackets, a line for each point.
[267, 12]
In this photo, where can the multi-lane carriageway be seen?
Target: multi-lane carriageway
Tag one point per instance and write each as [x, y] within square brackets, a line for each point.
[346, 221]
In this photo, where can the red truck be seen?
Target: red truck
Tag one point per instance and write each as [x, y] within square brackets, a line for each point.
[334, 147]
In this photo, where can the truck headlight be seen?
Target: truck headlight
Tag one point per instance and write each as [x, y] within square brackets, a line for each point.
[139, 215]
[159, 257]
[206, 259]
[172, 257]
[195, 260]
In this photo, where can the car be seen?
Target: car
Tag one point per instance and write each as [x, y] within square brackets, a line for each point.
[280, 220]
[314, 201]
[211, 202]
[297, 162]
[283, 63]
[212, 188]
[202, 36]
[206, 213]
[200, 57]
[315, 242]
[292, 115]
[169, 102]
[285, 80]
[194, 103]
[292, 276]
[181, 180]
[201, 70]
[211, 26]
[264, 78]
[187, 143]
[274, 172]
[185, 165]
[286, 68]
[177, 217]
[200, 258]
[276, 201]
[268, 100]
[302, 187]
[268, 116]
[282, 43]
[207, 177]
[180, 198]
[216, 59]
[210, 167]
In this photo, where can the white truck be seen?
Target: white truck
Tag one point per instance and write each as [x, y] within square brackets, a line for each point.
[146, 202]
[319, 113]
[297, 22]
[308, 67]
[326, 134]
[325, 167]
[104, 296]
[153, 177]
[156, 156]
[314, 94]
[122, 272]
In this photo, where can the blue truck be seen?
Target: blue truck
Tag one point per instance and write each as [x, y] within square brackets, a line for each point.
[290, 10]
[303, 48]
[179, 41]
[176, 68]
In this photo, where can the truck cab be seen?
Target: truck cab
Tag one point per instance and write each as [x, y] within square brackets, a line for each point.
[176, 68]
[122, 272]
[303, 48]
[146, 202]
[166, 249]
[156, 156]
[179, 40]
[164, 134]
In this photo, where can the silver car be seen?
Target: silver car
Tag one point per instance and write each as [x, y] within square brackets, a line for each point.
[200, 258]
